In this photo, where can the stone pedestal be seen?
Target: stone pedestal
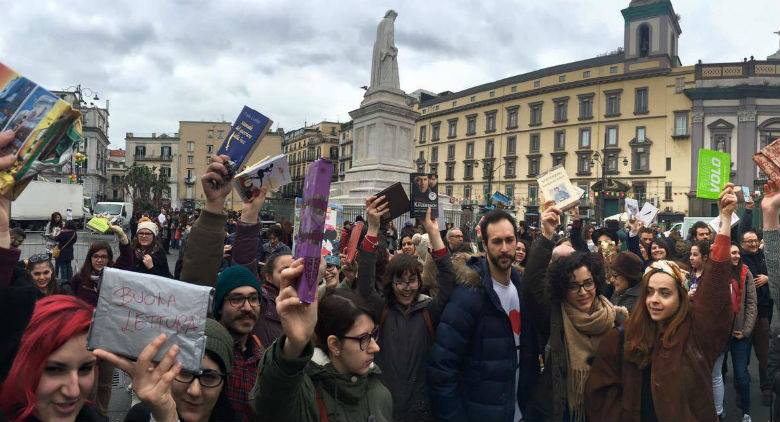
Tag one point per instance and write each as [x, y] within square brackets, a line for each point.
[382, 147]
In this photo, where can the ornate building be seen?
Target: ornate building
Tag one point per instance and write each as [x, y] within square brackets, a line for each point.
[303, 146]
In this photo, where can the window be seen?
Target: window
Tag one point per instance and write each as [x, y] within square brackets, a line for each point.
[679, 85]
[640, 101]
[189, 159]
[454, 103]
[140, 151]
[490, 121]
[211, 133]
[470, 150]
[451, 152]
[209, 149]
[115, 180]
[471, 125]
[450, 171]
[585, 138]
[492, 94]
[115, 193]
[220, 134]
[668, 163]
[452, 128]
[612, 136]
[537, 84]
[534, 143]
[448, 190]
[560, 140]
[511, 118]
[559, 160]
[533, 167]
[583, 164]
[514, 88]
[510, 168]
[467, 191]
[586, 106]
[165, 151]
[613, 103]
[613, 69]
[472, 98]
[640, 191]
[562, 78]
[644, 40]
[561, 106]
[641, 159]
[511, 145]
[190, 146]
[509, 190]
[423, 134]
[189, 174]
[612, 163]
[434, 154]
[719, 143]
[468, 171]
[435, 131]
[536, 114]
[668, 191]
[586, 74]
[434, 168]
[533, 193]
[165, 172]
[680, 123]
[489, 148]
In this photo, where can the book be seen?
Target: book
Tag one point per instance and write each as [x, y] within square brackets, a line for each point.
[99, 225]
[271, 172]
[395, 196]
[713, 172]
[632, 208]
[243, 137]
[766, 165]
[715, 222]
[308, 242]
[772, 151]
[555, 185]
[499, 198]
[425, 194]
[46, 129]
[648, 213]
[354, 238]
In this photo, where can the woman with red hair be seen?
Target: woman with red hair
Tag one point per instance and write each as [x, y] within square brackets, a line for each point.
[53, 372]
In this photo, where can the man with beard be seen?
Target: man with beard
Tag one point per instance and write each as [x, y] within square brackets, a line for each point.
[467, 382]
[237, 307]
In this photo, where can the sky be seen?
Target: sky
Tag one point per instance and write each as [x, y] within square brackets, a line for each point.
[301, 62]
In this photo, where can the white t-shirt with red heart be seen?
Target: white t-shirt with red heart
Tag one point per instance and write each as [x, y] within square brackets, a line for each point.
[510, 301]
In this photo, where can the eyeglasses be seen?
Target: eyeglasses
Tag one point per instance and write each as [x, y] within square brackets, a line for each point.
[145, 234]
[575, 287]
[365, 339]
[408, 283]
[752, 241]
[39, 257]
[207, 379]
[100, 257]
[238, 301]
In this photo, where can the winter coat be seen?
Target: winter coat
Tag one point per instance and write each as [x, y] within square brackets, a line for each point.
[65, 240]
[681, 374]
[628, 298]
[287, 389]
[86, 291]
[772, 243]
[756, 262]
[745, 319]
[472, 366]
[404, 339]
[203, 253]
[159, 262]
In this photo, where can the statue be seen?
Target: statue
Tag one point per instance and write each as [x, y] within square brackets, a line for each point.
[384, 66]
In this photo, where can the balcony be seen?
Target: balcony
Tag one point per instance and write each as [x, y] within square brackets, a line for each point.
[190, 180]
[148, 157]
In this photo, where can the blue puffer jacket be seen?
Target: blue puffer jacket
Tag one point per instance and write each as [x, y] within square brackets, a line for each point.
[471, 370]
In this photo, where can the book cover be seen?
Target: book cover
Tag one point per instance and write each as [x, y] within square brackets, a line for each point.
[395, 196]
[648, 213]
[632, 207]
[772, 152]
[767, 166]
[270, 172]
[555, 185]
[243, 136]
[354, 238]
[424, 195]
[499, 198]
[46, 128]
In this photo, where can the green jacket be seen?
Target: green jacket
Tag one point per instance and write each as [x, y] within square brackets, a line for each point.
[285, 389]
[203, 254]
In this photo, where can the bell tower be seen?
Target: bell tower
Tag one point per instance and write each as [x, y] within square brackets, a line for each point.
[652, 30]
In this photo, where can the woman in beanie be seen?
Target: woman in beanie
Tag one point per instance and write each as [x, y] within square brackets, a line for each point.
[626, 275]
[659, 367]
[177, 394]
[148, 255]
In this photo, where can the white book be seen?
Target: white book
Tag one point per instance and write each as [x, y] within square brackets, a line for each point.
[555, 185]
[648, 213]
[272, 173]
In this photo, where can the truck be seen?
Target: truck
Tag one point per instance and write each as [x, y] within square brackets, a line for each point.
[34, 207]
[120, 212]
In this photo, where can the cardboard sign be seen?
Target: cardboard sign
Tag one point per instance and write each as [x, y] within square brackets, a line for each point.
[648, 213]
[714, 170]
[134, 308]
[715, 222]
[632, 208]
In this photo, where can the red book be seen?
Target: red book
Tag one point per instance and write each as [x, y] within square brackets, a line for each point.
[354, 237]
[767, 166]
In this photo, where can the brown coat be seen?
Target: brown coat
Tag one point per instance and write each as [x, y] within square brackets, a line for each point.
[681, 375]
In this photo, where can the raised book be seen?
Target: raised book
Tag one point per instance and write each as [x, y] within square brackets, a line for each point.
[425, 194]
[555, 185]
[243, 136]
[272, 173]
[397, 200]
[45, 127]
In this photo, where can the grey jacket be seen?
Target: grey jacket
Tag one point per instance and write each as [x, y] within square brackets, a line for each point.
[628, 298]
[746, 318]
[772, 244]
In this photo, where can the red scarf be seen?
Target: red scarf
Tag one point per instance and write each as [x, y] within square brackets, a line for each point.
[736, 290]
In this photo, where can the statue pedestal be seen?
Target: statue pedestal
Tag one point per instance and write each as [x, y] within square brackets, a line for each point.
[382, 138]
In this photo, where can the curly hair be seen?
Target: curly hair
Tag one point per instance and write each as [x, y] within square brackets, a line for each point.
[562, 273]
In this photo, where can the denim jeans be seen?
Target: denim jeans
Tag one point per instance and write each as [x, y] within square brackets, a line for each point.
[63, 271]
[740, 353]
[718, 388]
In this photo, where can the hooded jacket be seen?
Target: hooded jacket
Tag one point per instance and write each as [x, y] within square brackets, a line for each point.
[473, 363]
[287, 389]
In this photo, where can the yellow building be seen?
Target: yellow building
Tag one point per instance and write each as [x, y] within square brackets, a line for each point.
[621, 118]
[309, 143]
[157, 151]
[198, 141]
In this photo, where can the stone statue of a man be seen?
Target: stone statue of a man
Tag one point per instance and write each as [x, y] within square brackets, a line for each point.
[384, 66]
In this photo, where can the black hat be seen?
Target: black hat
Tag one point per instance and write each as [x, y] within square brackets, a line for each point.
[601, 232]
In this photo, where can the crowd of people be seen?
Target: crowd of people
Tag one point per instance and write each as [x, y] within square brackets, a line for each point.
[500, 322]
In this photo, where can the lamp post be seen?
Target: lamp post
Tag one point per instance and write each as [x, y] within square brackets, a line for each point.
[602, 160]
[488, 172]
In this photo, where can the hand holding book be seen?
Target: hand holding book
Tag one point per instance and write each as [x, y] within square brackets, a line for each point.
[215, 185]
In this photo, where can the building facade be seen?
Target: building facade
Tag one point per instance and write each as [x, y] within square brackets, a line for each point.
[345, 149]
[158, 151]
[198, 141]
[617, 119]
[115, 171]
[309, 143]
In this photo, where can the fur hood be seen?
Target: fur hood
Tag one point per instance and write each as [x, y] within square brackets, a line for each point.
[466, 272]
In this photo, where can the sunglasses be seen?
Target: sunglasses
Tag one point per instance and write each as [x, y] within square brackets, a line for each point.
[39, 257]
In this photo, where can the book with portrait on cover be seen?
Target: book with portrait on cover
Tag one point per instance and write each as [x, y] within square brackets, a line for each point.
[555, 185]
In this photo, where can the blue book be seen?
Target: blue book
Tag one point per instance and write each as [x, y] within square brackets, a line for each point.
[243, 137]
[500, 198]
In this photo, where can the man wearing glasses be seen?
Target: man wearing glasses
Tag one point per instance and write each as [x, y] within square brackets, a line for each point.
[237, 307]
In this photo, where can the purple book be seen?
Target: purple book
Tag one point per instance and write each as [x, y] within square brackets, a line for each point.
[308, 241]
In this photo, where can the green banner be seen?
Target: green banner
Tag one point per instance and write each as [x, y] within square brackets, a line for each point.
[713, 173]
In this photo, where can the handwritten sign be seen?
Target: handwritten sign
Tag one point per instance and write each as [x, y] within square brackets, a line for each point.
[134, 308]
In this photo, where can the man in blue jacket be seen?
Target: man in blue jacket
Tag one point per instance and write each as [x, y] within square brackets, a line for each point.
[483, 364]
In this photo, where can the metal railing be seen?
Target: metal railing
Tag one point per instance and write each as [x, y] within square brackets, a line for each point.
[35, 243]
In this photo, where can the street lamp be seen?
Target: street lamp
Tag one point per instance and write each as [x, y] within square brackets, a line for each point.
[598, 158]
[489, 171]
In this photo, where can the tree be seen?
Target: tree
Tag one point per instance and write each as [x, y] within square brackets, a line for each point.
[145, 187]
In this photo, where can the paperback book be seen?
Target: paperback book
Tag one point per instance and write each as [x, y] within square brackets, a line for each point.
[272, 173]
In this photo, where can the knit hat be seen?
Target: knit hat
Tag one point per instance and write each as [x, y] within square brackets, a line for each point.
[232, 278]
[145, 223]
[629, 266]
[220, 344]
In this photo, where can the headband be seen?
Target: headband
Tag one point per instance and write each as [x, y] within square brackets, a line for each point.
[668, 267]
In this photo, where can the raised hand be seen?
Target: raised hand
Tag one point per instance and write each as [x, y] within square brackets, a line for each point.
[574, 214]
[120, 234]
[376, 207]
[251, 210]
[770, 205]
[151, 381]
[550, 219]
[148, 262]
[216, 184]
[727, 204]
[431, 226]
[298, 319]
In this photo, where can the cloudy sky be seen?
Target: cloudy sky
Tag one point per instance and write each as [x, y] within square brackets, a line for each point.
[159, 62]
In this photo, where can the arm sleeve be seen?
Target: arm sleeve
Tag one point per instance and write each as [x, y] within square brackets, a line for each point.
[203, 255]
[772, 243]
[746, 222]
[8, 259]
[712, 316]
[750, 305]
[245, 246]
[604, 388]
[366, 281]
[445, 277]
[576, 236]
[536, 293]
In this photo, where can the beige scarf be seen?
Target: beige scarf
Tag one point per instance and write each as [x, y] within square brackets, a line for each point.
[583, 332]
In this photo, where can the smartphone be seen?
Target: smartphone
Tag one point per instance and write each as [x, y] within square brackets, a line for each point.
[746, 194]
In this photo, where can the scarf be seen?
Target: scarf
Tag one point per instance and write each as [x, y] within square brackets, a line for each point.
[736, 290]
[583, 332]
